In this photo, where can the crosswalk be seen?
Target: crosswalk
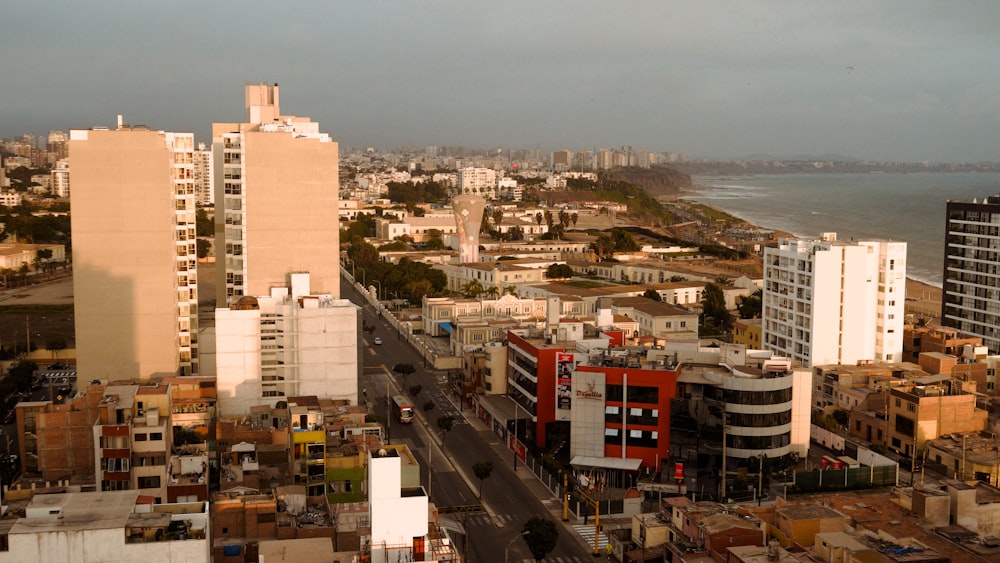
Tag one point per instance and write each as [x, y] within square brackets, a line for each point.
[484, 519]
[587, 533]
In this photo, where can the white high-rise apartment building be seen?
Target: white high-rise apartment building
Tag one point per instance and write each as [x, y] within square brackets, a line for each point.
[276, 187]
[288, 343]
[60, 178]
[477, 181]
[834, 302]
[203, 190]
[135, 279]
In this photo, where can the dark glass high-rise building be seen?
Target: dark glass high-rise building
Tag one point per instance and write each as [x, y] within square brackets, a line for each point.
[971, 298]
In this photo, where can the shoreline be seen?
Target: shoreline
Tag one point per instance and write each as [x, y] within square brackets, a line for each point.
[922, 296]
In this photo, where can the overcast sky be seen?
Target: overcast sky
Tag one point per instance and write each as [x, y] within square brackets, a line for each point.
[909, 80]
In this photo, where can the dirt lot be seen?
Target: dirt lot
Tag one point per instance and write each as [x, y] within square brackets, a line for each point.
[47, 309]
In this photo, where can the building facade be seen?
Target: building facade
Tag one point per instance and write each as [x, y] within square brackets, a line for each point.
[971, 299]
[135, 281]
[276, 188]
[477, 181]
[290, 342]
[832, 302]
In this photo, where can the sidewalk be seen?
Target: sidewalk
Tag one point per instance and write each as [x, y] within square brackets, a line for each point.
[583, 533]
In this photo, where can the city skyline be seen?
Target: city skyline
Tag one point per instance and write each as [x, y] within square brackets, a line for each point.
[909, 82]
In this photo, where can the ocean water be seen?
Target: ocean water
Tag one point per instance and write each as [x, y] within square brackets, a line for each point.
[901, 207]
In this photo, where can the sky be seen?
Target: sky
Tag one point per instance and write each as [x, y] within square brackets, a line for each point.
[889, 80]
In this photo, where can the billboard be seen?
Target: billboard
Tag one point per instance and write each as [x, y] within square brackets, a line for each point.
[565, 364]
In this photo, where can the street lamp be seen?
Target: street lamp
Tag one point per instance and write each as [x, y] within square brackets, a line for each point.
[378, 293]
[506, 550]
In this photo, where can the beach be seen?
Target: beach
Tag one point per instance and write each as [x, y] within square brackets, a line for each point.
[852, 205]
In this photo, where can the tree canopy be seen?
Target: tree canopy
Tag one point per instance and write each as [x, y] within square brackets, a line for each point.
[750, 306]
[559, 271]
[541, 535]
[427, 191]
[716, 319]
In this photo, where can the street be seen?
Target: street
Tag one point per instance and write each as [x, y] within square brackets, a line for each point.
[508, 503]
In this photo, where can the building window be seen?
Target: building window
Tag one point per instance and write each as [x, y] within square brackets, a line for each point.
[140, 437]
[149, 482]
[156, 436]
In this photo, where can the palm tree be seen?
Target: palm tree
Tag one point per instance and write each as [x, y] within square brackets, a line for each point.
[563, 218]
[493, 291]
[473, 288]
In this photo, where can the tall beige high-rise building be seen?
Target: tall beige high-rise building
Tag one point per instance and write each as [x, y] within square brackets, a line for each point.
[276, 188]
[134, 255]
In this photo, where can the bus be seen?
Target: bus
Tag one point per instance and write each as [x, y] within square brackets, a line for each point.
[403, 409]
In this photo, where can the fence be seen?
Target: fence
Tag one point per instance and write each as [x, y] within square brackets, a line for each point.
[845, 478]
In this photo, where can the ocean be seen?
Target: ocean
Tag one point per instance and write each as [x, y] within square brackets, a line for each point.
[901, 207]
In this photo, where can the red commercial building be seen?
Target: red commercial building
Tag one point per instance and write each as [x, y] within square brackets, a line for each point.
[611, 404]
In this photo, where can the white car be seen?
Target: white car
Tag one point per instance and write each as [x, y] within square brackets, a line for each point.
[377, 341]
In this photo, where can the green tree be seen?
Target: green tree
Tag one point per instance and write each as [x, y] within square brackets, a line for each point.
[403, 370]
[541, 535]
[716, 319]
[750, 306]
[362, 253]
[473, 288]
[539, 218]
[416, 389]
[574, 218]
[623, 241]
[429, 406]
[603, 246]
[203, 225]
[483, 470]
[203, 247]
[652, 294]
[434, 240]
[559, 271]
[496, 214]
[394, 246]
[445, 423]
[842, 417]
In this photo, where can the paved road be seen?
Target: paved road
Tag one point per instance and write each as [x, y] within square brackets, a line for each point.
[507, 499]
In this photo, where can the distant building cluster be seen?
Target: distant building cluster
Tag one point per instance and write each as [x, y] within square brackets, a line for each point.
[243, 429]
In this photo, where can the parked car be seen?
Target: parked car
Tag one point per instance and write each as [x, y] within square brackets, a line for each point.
[377, 340]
